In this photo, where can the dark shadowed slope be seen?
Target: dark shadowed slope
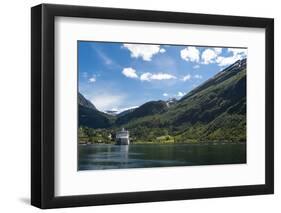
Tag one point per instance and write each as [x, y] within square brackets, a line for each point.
[89, 116]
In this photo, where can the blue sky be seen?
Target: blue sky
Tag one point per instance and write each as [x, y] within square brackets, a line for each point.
[117, 76]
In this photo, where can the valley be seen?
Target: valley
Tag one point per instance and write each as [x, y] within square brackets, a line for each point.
[215, 111]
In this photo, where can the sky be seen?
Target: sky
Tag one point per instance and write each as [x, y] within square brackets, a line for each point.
[119, 76]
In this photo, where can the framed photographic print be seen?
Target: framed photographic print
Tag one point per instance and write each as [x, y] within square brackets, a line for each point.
[139, 106]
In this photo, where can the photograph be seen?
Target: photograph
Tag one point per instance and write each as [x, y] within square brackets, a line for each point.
[171, 105]
[160, 105]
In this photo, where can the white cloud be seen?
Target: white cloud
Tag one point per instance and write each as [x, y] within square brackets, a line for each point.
[162, 50]
[144, 51]
[196, 66]
[162, 76]
[165, 94]
[209, 55]
[198, 76]
[213, 56]
[119, 110]
[225, 61]
[186, 77]
[145, 77]
[92, 79]
[158, 76]
[130, 72]
[180, 94]
[105, 101]
[237, 54]
[190, 54]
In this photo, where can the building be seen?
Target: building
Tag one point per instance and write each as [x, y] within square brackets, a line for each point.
[123, 137]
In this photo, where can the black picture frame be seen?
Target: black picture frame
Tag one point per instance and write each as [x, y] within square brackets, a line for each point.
[43, 102]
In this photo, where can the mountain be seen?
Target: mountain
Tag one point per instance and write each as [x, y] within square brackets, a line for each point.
[224, 93]
[112, 112]
[126, 111]
[149, 108]
[121, 112]
[89, 116]
[172, 101]
[82, 101]
[215, 110]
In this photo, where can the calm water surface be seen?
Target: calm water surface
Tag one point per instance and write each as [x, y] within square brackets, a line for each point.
[109, 156]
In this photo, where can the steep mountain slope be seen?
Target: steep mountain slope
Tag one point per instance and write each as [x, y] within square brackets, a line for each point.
[82, 101]
[224, 93]
[216, 110]
[89, 116]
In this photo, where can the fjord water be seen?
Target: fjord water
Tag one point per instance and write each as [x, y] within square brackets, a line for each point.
[109, 156]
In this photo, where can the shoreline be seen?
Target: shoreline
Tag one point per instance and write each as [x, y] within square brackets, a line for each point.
[170, 143]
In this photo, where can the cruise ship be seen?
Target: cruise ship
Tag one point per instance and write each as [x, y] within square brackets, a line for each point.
[123, 137]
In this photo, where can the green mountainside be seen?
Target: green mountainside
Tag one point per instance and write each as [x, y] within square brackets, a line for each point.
[149, 108]
[214, 111]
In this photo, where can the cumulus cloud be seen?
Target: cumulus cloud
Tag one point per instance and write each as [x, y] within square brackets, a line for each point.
[162, 50]
[165, 94]
[144, 51]
[213, 55]
[237, 54]
[209, 56]
[225, 61]
[180, 94]
[186, 77]
[190, 54]
[157, 76]
[129, 72]
[145, 76]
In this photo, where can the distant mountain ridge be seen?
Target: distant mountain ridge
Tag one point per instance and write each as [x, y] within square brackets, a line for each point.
[148, 108]
[126, 111]
[121, 112]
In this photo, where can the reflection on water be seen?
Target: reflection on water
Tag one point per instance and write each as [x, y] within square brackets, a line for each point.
[108, 156]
